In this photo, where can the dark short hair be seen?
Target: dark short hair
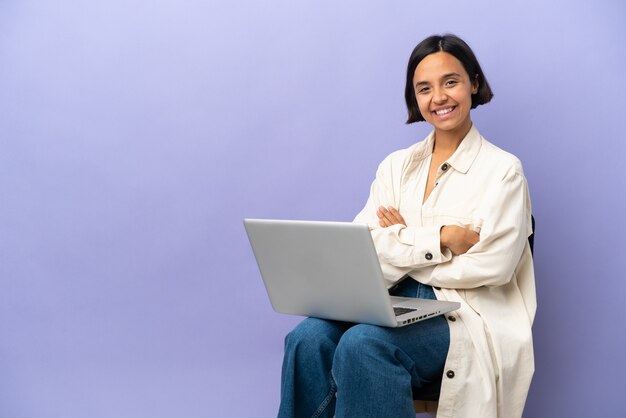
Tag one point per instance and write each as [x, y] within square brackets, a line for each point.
[455, 46]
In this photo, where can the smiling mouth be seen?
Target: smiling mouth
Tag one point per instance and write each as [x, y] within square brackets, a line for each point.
[442, 112]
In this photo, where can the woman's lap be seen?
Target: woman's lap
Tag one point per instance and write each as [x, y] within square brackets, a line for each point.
[409, 356]
[416, 340]
[421, 347]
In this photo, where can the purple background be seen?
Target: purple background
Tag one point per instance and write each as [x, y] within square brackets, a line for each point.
[135, 136]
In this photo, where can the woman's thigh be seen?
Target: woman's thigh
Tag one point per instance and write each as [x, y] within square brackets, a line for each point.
[424, 343]
[318, 331]
[421, 347]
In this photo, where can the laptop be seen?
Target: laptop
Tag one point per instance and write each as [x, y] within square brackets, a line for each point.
[330, 270]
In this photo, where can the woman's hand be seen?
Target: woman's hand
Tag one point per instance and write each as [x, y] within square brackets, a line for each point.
[389, 216]
[458, 239]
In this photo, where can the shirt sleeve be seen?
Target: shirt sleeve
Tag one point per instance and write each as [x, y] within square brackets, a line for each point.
[404, 247]
[503, 237]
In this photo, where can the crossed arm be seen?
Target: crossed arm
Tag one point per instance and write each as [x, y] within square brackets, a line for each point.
[456, 238]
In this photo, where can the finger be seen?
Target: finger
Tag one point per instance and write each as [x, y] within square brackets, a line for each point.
[380, 217]
[393, 213]
[398, 218]
[394, 216]
[390, 218]
[382, 221]
[383, 213]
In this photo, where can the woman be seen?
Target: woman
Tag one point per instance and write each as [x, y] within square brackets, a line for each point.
[451, 215]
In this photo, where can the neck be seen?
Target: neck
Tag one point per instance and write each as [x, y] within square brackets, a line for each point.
[446, 142]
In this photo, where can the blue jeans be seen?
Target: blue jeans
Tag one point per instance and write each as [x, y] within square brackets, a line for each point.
[342, 369]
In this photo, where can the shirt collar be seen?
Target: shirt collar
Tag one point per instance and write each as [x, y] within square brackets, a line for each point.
[462, 158]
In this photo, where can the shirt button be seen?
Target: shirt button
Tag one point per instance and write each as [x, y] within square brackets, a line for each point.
[429, 256]
[445, 166]
[450, 374]
[451, 318]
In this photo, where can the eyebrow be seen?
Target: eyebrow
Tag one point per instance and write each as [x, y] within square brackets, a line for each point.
[443, 77]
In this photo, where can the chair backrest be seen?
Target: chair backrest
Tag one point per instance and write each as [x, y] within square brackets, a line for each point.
[531, 237]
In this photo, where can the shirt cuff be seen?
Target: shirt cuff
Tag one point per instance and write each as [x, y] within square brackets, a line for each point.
[427, 245]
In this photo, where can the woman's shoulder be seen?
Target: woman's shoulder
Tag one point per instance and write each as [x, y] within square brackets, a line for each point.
[500, 159]
[396, 165]
[399, 159]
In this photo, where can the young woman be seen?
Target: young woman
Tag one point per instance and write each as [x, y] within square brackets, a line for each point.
[451, 216]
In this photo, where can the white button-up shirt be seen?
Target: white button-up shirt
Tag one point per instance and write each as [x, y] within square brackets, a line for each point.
[490, 362]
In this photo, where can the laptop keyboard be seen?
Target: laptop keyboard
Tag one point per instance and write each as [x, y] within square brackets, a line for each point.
[401, 311]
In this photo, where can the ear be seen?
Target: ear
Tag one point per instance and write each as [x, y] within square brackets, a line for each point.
[475, 85]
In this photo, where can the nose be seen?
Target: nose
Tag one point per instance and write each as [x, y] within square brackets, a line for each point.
[439, 96]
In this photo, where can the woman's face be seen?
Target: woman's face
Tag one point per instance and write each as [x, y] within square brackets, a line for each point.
[444, 93]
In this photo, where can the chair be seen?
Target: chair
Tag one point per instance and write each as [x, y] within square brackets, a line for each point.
[426, 401]
[425, 407]
[430, 406]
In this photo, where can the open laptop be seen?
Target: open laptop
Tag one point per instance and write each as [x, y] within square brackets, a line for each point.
[330, 270]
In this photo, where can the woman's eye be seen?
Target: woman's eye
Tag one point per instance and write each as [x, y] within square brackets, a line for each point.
[450, 83]
[422, 90]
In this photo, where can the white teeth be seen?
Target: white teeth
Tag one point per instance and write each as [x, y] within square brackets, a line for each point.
[443, 111]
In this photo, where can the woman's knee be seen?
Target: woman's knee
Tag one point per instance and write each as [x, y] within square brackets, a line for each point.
[359, 341]
[313, 335]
